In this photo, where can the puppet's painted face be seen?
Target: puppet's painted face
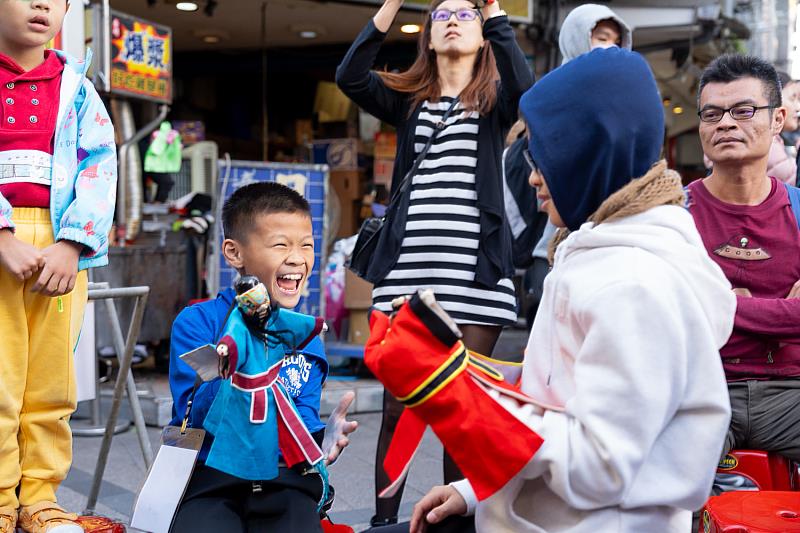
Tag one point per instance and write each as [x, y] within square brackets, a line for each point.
[254, 302]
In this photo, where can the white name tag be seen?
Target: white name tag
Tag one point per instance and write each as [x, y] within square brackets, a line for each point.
[167, 480]
[25, 166]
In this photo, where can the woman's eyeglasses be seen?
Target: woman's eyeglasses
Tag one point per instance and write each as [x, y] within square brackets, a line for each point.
[529, 159]
[738, 112]
[464, 14]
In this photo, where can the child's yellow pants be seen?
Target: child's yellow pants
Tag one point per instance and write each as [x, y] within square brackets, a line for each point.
[38, 335]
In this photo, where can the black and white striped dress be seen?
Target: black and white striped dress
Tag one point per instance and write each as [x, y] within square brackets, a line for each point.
[442, 234]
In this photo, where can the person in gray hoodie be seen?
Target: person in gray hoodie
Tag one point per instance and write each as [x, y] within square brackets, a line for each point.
[591, 26]
[585, 28]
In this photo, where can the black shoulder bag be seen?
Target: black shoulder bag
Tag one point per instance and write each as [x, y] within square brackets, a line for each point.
[372, 227]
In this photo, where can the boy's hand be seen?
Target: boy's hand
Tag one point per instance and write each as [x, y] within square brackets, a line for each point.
[338, 428]
[60, 269]
[20, 258]
[438, 504]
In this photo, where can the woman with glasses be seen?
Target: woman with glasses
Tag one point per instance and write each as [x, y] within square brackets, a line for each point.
[445, 228]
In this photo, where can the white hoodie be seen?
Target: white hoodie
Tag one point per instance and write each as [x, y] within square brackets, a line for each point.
[627, 339]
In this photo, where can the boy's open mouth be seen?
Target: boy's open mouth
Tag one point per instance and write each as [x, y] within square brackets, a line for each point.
[289, 283]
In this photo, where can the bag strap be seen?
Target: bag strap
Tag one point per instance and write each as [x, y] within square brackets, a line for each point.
[198, 380]
[438, 127]
[794, 200]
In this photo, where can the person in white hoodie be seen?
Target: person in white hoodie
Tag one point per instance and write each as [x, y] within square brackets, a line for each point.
[631, 321]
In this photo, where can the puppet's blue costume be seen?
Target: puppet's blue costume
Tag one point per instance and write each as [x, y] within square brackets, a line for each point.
[253, 419]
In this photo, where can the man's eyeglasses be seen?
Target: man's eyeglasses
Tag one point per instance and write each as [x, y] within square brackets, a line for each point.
[529, 159]
[738, 112]
[464, 14]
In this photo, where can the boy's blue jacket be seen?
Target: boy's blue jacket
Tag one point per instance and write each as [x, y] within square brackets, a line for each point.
[302, 375]
[83, 187]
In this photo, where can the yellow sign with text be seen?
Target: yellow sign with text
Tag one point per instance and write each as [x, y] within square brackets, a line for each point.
[141, 58]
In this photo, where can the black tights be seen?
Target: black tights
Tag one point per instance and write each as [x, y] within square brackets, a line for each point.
[481, 339]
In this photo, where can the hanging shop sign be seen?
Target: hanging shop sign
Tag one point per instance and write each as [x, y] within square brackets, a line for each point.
[141, 58]
[518, 10]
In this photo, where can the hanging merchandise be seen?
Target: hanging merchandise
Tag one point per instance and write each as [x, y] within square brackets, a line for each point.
[164, 153]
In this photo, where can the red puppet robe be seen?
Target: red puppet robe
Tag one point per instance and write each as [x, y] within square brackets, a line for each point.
[418, 355]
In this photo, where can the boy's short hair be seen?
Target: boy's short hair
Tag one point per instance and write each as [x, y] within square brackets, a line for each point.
[731, 67]
[262, 198]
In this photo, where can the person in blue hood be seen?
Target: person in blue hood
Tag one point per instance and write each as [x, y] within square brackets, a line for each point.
[624, 351]
[616, 141]
[268, 234]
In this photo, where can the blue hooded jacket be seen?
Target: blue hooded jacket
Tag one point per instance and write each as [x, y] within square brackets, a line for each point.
[587, 141]
[302, 374]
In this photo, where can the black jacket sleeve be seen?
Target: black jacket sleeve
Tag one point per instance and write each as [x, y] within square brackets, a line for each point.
[356, 79]
[515, 75]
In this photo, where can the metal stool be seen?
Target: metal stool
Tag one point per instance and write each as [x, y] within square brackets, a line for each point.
[124, 347]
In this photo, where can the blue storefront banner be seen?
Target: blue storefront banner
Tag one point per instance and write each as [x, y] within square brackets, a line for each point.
[309, 180]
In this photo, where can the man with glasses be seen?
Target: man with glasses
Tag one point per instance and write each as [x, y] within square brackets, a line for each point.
[749, 225]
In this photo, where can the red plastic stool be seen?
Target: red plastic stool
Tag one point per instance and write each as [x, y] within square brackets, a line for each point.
[769, 471]
[752, 512]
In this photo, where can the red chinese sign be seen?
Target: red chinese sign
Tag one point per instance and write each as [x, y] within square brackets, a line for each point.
[141, 58]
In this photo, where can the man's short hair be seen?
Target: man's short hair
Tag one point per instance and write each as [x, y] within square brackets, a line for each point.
[731, 67]
[263, 198]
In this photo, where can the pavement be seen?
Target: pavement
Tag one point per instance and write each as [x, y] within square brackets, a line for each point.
[352, 475]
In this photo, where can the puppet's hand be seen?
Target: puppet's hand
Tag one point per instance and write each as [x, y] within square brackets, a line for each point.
[338, 428]
[224, 361]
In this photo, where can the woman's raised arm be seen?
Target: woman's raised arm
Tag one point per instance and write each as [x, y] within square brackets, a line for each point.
[355, 77]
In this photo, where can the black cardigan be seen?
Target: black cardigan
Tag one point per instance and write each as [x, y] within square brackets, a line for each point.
[367, 89]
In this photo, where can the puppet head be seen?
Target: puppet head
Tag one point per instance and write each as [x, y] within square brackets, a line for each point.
[253, 300]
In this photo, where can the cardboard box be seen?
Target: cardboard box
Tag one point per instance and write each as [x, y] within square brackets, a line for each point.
[338, 154]
[330, 103]
[359, 327]
[346, 183]
[382, 174]
[385, 145]
[357, 292]
[348, 219]
[303, 132]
